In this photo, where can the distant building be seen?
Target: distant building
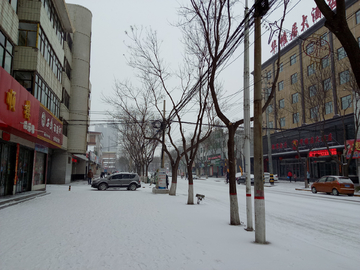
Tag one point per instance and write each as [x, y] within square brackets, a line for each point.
[110, 138]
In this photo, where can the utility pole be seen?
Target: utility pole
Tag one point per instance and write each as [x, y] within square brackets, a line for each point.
[261, 7]
[249, 223]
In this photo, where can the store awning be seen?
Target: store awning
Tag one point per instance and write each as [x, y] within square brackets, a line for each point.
[3, 124]
[83, 157]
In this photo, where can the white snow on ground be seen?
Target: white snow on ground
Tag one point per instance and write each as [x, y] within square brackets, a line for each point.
[118, 229]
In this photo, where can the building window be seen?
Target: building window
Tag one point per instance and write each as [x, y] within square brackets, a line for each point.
[6, 53]
[270, 108]
[325, 62]
[281, 66]
[310, 49]
[46, 96]
[282, 103]
[282, 122]
[267, 93]
[268, 75]
[324, 39]
[294, 78]
[328, 107]
[49, 54]
[327, 84]
[54, 19]
[65, 128]
[346, 102]
[281, 85]
[341, 53]
[310, 69]
[292, 59]
[314, 112]
[13, 4]
[65, 98]
[295, 98]
[312, 90]
[357, 17]
[26, 79]
[27, 34]
[296, 118]
[271, 124]
[344, 77]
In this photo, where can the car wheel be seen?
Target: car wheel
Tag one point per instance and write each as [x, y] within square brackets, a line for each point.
[103, 186]
[313, 190]
[335, 192]
[132, 187]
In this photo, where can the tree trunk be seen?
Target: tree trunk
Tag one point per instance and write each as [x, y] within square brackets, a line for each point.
[190, 191]
[173, 186]
[234, 207]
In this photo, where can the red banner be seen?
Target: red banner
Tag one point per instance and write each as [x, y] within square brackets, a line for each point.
[19, 109]
[349, 147]
[50, 128]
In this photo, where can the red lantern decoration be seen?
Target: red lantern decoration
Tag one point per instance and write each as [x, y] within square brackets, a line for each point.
[280, 158]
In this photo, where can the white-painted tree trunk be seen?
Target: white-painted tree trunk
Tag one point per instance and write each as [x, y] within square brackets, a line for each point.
[191, 194]
[260, 235]
[234, 210]
[172, 190]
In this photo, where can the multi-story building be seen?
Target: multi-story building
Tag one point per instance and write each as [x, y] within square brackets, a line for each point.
[44, 75]
[313, 103]
[95, 151]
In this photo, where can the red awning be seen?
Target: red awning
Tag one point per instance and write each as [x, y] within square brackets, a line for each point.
[3, 124]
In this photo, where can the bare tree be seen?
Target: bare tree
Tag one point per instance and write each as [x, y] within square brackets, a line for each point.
[154, 75]
[336, 22]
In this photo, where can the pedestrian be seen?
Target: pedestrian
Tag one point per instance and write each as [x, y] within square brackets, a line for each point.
[289, 175]
[167, 182]
[227, 177]
[295, 177]
[90, 176]
[308, 176]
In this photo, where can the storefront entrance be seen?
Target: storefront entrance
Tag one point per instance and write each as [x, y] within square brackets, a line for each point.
[24, 170]
[7, 169]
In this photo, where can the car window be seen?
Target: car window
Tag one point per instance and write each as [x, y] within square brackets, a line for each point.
[345, 180]
[131, 176]
[330, 179]
[322, 179]
[116, 176]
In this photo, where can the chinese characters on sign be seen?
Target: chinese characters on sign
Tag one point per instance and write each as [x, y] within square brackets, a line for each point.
[274, 28]
[301, 142]
[50, 129]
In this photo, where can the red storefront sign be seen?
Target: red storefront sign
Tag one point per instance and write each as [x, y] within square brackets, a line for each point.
[349, 146]
[49, 128]
[322, 153]
[18, 108]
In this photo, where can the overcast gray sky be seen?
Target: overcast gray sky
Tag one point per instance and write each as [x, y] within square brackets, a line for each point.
[111, 18]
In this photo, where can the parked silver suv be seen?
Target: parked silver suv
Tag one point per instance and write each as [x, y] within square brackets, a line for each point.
[131, 181]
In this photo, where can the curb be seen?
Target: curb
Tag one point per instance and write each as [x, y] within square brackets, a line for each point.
[16, 200]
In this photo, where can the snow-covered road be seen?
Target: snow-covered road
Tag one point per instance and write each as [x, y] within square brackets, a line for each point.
[118, 229]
